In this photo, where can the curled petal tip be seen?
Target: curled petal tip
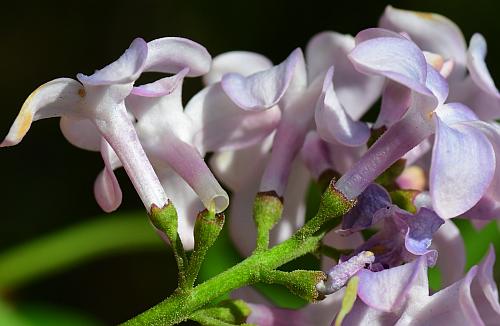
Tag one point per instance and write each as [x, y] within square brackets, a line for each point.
[124, 70]
[263, 89]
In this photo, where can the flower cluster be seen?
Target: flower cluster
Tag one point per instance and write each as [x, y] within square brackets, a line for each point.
[432, 154]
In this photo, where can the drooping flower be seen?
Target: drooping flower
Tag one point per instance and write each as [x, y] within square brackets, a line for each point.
[93, 107]
[454, 188]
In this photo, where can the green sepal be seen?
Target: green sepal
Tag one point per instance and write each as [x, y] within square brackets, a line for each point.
[165, 219]
[332, 207]
[302, 283]
[267, 210]
[229, 311]
[206, 231]
[404, 199]
[388, 178]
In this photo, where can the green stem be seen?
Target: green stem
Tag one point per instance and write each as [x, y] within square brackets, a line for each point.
[101, 236]
[179, 307]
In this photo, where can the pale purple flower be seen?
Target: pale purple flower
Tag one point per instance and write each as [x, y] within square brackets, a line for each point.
[93, 107]
[454, 188]
[436, 33]
[400, 296]
[297, 92]
[403, 235]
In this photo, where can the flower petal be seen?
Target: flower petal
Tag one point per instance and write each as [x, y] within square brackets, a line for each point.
[450, 246]
[395, 103]
[244, 63]
[158, 110]
[232, 168]
[264, 89]
[106, 188]
[389, 290]
[421, 228]
[398, 59]
[81, 132]
[432, 32]
[451, 306]
[357, 92]
[220, 125]
[125, 70]
[484, 290]
[315, 155]
[489, 206]
[53, 99]
[477, 66]
[332, 121]
[173, 54]
[373, 205]
[463, 164]
[161, 87]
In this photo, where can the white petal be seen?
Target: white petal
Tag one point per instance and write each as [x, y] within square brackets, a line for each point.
[56, 98]
[242, 62]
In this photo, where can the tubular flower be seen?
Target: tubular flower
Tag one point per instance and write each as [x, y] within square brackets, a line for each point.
[93, 111]
[454, 188]
[166, 134]
[436, 33]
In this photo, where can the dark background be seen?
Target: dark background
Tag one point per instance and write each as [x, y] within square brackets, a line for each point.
[46, 183]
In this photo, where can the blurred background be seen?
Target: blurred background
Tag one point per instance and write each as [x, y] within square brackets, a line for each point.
[46, 183]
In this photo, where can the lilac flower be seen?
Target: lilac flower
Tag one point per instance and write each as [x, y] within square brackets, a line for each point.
[166, 134]
[296, 92]
[402, 236]
[400, 296]
[93, 107]
[433, 32]
[454, 188]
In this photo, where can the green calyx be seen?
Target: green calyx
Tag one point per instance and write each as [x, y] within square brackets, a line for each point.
[165, 219]
[266, 213]
[300, 282]
[332, 207]
[206, 231]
